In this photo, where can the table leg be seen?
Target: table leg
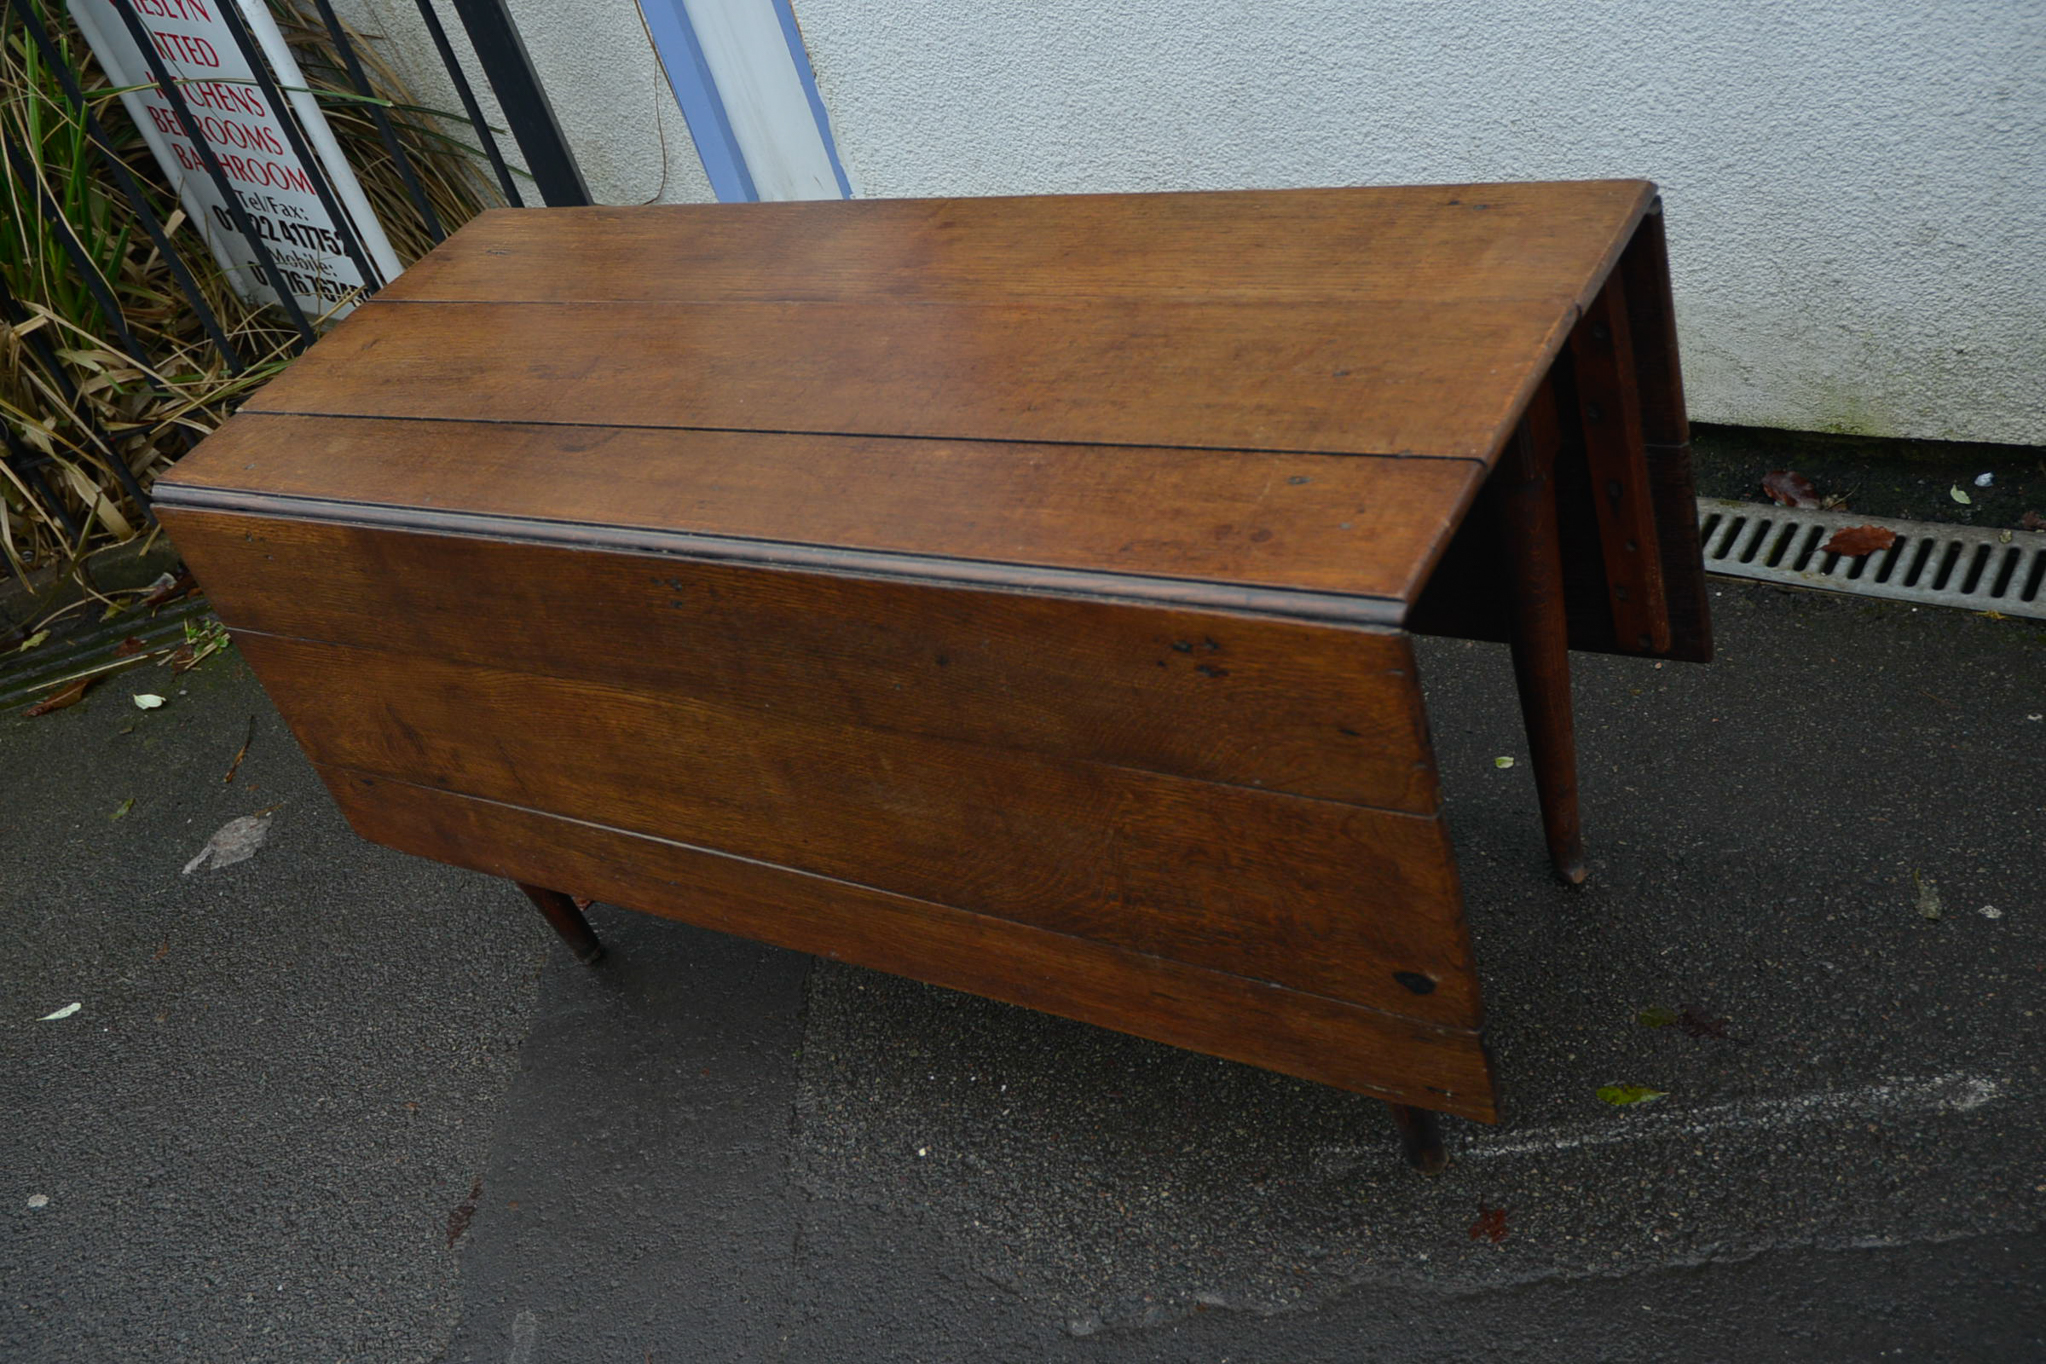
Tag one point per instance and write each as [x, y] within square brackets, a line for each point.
[1420, 1138]
[1541, 643]
[567, 920]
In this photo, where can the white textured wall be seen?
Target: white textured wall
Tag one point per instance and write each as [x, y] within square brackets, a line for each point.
[600, 73]
[1856, 188]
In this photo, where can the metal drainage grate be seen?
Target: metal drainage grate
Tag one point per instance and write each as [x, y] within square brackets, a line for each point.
[1981, 570]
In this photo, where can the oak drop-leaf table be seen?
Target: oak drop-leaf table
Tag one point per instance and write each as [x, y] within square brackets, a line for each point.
[1008, 593]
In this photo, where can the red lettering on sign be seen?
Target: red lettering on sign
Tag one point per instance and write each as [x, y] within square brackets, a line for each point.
[179, 47]
[229, 99]
[175, 9]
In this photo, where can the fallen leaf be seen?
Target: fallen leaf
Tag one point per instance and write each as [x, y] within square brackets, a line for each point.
[1696, 1024]
[234, 841]
[182, 659]
[1790, 489]
[166, 587]
[147, 700]
[1856, 541]
[1959, 496]
[130, 646]
[37, 638]
[1621, 1096]
[69, 695]
[1929, 904]
[1985, 480]
[2031, 520]
[69, 1009]
[162, 950]
[1490, 1226]
[121, 810]
[1502, 762]
[39, 1200]
[242, 752]
[1655, 1016]
[464, 1213]
[114, 608]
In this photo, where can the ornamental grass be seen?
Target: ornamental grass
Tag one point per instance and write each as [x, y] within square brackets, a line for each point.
[133, 392]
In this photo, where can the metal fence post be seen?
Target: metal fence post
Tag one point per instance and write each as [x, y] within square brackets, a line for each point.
[503, 55]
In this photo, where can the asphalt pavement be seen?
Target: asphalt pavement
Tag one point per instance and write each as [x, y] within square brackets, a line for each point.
[333, 1103]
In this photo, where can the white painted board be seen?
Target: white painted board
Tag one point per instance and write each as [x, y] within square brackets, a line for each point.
[247, 135]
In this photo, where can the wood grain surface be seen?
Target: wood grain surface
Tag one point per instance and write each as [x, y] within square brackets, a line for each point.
[1608, 418]
[1322, 523]
[1327, 712]
[1337, 899]
[1217, 1012]
[1666, 429]
[1404, 377]
[1358, 245]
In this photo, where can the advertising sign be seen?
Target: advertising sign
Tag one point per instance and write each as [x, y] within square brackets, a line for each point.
[248, 138]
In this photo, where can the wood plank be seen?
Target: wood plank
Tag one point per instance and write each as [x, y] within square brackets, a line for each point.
[1420, 377]
[1652, 321]
[1316, 895]
[1665, 424]
[1608, 415]
[1356, 244]
[1457, 599]
[1325, 523]
[1676, 520]
[1315, 1038]
[1328, 712]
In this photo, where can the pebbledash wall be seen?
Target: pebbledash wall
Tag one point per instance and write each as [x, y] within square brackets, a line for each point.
[602, 77]
[1856, 189]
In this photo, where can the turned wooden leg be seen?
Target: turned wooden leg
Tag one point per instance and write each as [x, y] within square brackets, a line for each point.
[568, 921]
[1541, 642]
[1420, 1138]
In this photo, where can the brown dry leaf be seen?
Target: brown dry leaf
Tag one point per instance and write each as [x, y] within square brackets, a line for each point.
[161, 591]
[2031, 520]
[464, 1213]
[69, 695]
[1791, 489]
[242, 752]
[1699, 1024]
[1490, 1226]
[131, 645]
[182, 659]
[1856, 541]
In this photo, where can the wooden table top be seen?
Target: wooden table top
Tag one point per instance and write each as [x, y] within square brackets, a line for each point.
[1275, 400]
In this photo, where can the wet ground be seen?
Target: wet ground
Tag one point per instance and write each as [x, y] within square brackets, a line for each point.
[333, 1103]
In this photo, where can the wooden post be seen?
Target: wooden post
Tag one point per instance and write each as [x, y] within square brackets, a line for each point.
[1420, 1138]
[1541, 643]
[567, 920]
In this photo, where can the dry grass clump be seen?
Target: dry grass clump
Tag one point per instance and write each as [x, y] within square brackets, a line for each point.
[131, 393]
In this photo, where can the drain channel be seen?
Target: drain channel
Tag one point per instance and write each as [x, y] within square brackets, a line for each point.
[1980, 570]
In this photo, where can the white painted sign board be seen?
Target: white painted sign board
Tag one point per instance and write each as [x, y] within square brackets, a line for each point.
[246, 135]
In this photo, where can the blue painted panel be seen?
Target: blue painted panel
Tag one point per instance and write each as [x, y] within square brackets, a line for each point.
[689, 76]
